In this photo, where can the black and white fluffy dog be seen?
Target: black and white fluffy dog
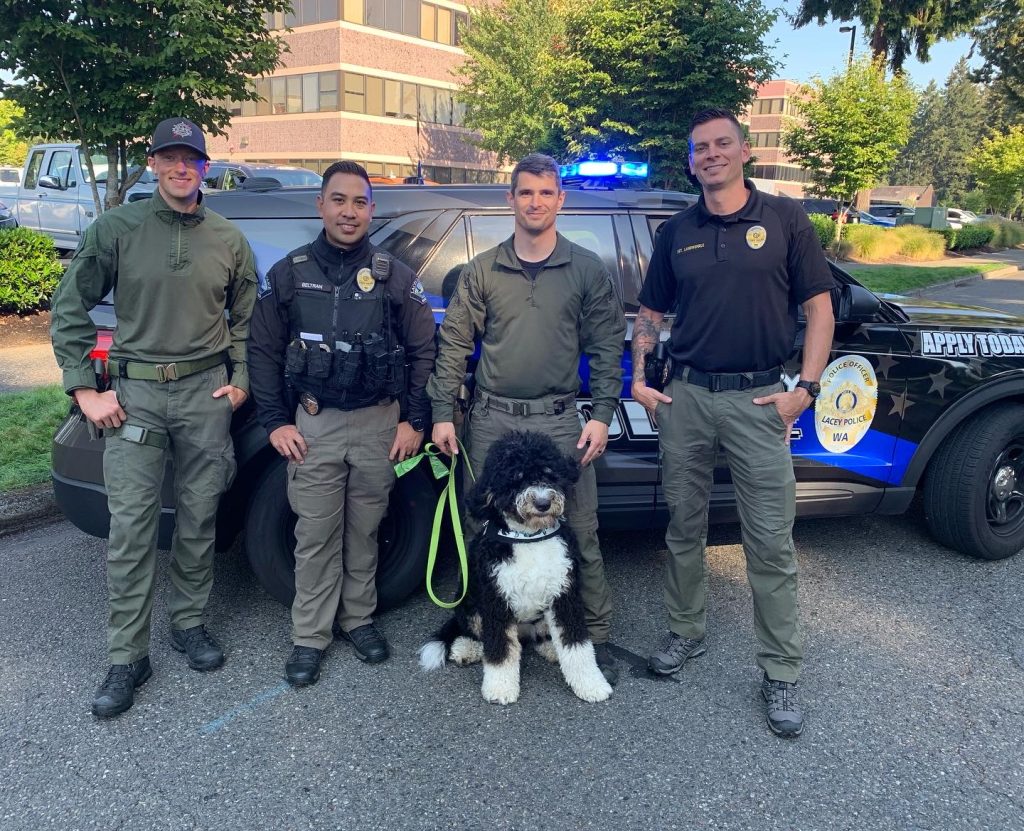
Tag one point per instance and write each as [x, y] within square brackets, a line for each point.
[524, 575]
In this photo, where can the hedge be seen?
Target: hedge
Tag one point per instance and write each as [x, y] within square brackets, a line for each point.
[825, 227]
[29, 270]
[969, 236]
[875, 242]
[1007, 234]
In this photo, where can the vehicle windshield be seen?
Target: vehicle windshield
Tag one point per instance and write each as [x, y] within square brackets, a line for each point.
[292, 178]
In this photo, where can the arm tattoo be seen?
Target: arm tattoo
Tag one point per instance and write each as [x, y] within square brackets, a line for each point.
[646, 333]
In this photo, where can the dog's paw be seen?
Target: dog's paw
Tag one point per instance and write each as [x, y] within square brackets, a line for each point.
[466, 651]
[500, 687]
[546, 649]
[593, 689]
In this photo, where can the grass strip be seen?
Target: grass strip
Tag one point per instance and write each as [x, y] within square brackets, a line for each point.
[899, 279]
[28, 421]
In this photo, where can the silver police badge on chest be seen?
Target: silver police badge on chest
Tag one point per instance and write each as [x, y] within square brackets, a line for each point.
[364, 279]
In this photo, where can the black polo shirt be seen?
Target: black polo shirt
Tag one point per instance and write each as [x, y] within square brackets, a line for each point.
[735, 282]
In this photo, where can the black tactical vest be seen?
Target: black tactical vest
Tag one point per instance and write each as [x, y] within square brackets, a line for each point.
[342, 347]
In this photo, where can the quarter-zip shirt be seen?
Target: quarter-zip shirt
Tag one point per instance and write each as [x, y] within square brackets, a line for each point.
[172, 275]
[532, 331]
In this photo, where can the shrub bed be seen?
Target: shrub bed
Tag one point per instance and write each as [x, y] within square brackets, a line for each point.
[825, 227]
[873, 242]
[29, 270]
[1006, 234]
[969, 236]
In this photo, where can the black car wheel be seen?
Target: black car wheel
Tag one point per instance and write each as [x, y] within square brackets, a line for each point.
[403, 536]
[974, 490]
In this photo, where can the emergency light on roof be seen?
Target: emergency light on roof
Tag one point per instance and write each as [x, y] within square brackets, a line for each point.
[594, 169]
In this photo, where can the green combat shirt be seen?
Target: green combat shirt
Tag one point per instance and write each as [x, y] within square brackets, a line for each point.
[172, 274]
[532, 332]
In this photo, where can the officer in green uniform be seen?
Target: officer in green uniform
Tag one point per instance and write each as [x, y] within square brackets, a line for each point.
[177, 372]
[734, 269]
[538, 302]
[347, 328]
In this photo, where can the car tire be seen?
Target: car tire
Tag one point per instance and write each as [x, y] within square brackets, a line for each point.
[403, 537]
[974, 487]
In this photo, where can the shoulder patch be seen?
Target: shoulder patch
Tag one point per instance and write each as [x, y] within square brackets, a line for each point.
[417, 292]
[265, 287]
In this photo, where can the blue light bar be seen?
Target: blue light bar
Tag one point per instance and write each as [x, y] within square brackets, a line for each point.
[634, 169]
[595, 169]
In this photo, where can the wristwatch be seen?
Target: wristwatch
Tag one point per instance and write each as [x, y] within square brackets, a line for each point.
[417, 424]
[813, 388]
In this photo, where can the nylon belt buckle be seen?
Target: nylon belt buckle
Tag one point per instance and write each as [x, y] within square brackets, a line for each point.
[166, 372]
[520, 408]
[133, 433]
[559, 407]
[715, 384]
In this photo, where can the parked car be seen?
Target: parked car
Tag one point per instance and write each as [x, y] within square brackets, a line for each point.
[10, 175]
[958, 217]
[7, 218]
[830, 208]
[53, 194]
[872, 219]
[231, 175]
[919, 396]
[885, 210]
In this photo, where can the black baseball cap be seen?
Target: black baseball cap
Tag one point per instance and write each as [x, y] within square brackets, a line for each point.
[178, 132]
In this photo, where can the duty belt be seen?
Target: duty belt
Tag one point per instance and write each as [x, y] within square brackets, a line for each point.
[725, 381]
[140, 371]
[138, 435]
[552, 405]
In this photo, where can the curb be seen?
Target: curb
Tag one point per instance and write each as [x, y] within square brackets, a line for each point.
[27, 508]
[966, 280]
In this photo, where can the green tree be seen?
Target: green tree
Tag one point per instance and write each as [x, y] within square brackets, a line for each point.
[946, 126]
[609, 76]
[13, 149]
[103, 73]
[897, 29]
[850, 128]
[999, 37]
[998, 165]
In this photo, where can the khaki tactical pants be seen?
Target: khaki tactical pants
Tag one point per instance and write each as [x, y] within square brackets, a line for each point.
[691, 430]
[340, 494]
[198, 427]
[485, 425]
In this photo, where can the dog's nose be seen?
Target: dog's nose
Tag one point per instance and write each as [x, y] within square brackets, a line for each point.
[542, 501]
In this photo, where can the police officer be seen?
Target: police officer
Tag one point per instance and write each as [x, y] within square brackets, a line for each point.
[734, 269]
[336, 324]
[538, 302]
[177, 371]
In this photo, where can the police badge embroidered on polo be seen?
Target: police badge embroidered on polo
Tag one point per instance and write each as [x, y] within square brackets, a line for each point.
[756, 235]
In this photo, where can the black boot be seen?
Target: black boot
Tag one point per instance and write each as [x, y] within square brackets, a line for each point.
[369, 643]
[117, 692]
[204, 653]
[303, 667]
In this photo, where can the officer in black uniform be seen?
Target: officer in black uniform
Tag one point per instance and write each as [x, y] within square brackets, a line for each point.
[344, 330]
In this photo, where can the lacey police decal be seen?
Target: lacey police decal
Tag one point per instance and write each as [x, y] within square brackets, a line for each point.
[364, 279]
[846, 406]
[756, 235]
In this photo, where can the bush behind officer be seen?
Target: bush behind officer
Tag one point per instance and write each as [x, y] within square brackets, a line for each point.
[334, 327]
[734, 268]
[174, 268]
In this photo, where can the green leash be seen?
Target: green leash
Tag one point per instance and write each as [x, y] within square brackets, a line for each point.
[432, 452]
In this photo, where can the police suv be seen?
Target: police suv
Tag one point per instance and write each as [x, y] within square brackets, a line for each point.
[917, 395]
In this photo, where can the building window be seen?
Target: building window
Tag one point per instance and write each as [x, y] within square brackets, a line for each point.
[444, 25]
[355, 93]
[352, 11]
[374, 96]
[428, 104]
[428, 22]
[310, 92]
[293, 93]
[328, 91]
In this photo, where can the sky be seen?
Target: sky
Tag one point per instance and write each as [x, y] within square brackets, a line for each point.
[823, 50]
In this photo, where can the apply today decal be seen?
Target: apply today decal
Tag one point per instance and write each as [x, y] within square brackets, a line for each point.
[970, 344]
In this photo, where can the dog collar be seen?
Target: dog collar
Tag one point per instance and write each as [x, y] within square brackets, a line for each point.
[522, 536]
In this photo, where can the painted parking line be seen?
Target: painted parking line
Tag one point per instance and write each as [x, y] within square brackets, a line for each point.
[242, 709]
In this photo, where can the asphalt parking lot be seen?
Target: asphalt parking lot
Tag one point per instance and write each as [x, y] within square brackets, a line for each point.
[911, 689]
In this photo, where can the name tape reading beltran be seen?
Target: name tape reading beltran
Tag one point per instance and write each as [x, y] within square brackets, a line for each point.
[970, 344]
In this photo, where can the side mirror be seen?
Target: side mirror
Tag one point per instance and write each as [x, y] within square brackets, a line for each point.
[855, 304]
[50, 182]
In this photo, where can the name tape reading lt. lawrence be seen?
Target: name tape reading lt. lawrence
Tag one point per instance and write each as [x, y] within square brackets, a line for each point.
[970, 344]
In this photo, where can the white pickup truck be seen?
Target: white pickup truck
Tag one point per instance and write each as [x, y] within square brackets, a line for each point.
[54, 194]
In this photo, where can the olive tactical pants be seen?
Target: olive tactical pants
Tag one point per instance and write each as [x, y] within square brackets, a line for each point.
[691, 430]
[198, 427]
[340, 494]
[485, 425]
